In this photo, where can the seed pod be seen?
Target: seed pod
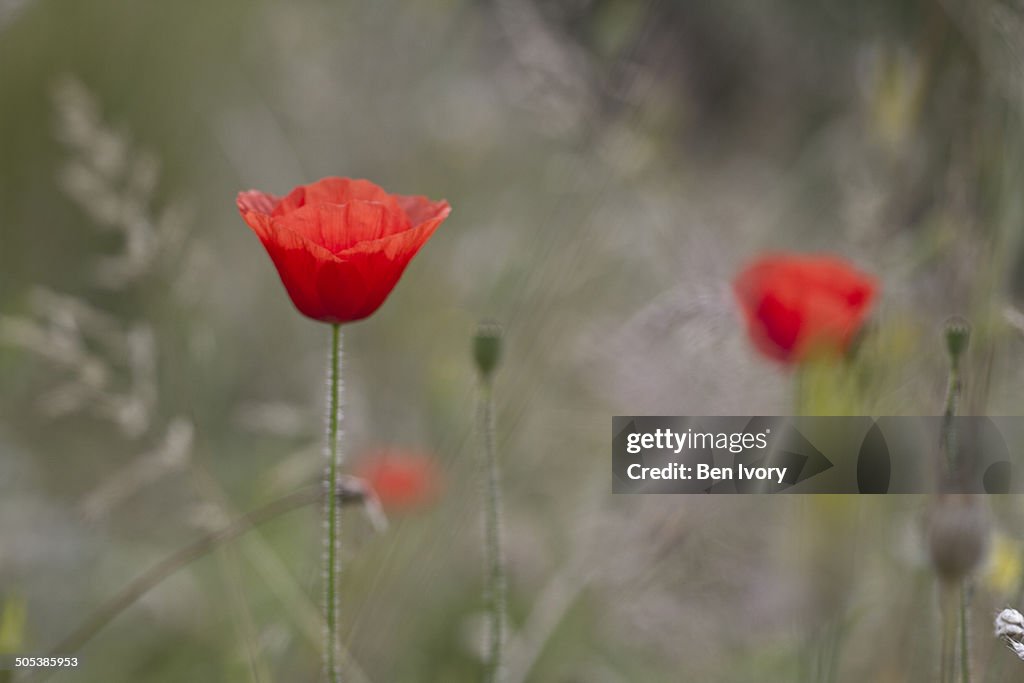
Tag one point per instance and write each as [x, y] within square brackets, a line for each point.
[958, 335]
[958, 534]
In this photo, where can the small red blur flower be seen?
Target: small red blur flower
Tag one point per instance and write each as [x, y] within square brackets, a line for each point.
[340, 245]
[798, 305]
[403, 480]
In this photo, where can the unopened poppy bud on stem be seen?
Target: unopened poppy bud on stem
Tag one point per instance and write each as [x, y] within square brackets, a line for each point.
[487, 348]
[958, 336]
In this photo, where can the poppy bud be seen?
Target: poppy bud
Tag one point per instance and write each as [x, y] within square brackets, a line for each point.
[487, 348]
[958, 335]
[958, 530]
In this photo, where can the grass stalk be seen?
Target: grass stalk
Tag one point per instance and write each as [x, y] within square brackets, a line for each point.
[202, 546]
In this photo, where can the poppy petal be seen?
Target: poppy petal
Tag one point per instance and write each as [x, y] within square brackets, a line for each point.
[338, 227]
[795, 305]
[254, 201]
[334, 191]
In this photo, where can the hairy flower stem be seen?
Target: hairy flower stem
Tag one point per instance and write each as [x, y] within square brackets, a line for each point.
[958, 602]
[953, 389]
[496, 595]
[947, 658]
[965, 651]
[331, 531]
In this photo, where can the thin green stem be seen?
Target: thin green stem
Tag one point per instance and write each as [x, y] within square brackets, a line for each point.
[799, 380]
[949, 439]
[496, 585]
[948, 650]
[331, 539]
[835, 636]
[965, 652]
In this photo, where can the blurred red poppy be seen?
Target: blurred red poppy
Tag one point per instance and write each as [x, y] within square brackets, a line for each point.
[402, 479]
[798, 305]
[340, 245]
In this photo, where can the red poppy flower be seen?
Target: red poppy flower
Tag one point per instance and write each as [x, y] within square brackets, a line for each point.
[340, 245]
[401, 479]
[797, 305]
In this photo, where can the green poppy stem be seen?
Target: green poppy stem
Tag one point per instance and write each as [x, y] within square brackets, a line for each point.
[497, 582]
[965, 640]
[949, 436]
[947, 659]
[331, 540]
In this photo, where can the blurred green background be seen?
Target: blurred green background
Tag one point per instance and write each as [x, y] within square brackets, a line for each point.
[611, 164]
